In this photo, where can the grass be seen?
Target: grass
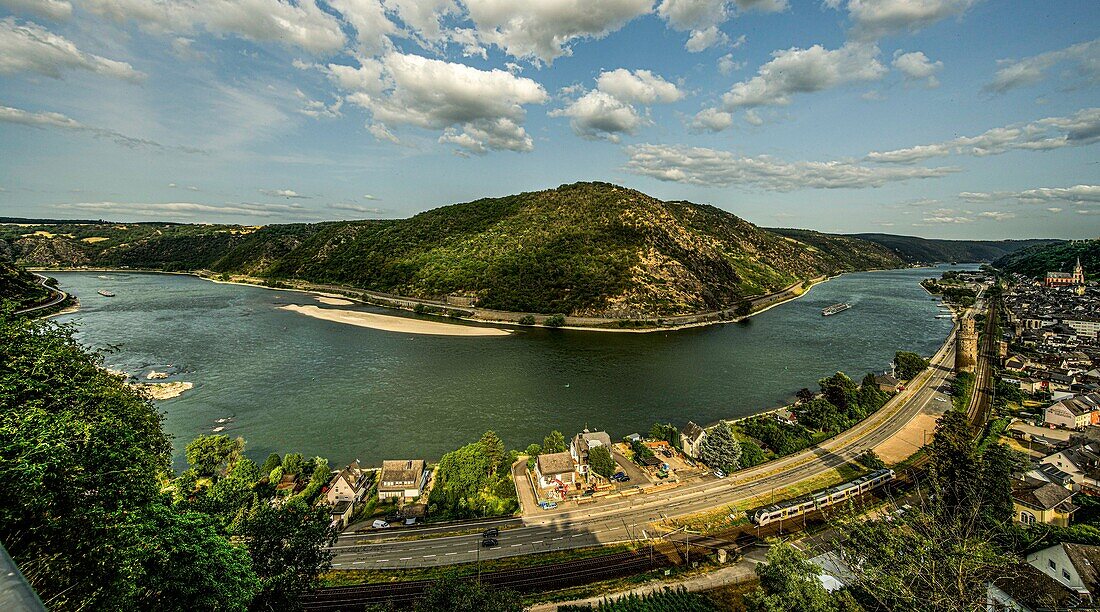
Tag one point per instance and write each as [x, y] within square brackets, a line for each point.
[343, 577]
[615, 585]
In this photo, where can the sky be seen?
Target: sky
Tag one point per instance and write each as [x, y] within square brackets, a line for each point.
[937, 118]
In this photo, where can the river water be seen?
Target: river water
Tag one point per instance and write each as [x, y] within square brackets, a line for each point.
[294, 383]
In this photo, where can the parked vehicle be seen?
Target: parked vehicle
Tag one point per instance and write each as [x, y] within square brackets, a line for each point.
[662, 474]
[618, 475]
[380, 524]
[410, 521]
[491, 532]
[489, 542]
[719, 474]
[548, 505]
[667, 453]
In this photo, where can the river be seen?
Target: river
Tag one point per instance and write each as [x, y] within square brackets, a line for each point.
[291, 383]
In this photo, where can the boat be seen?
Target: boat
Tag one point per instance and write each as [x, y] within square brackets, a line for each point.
[105, 293]
[835, 308]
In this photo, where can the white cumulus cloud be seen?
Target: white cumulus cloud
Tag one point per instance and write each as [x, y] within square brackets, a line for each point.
[639, 87]
[715, 168]
[795, 71]
[872, 19]
[51, 9]
[608, 111]
[28, 47]
[916, 66]
[1085, 58]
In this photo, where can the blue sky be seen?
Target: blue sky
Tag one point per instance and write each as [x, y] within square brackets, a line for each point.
[939, 118]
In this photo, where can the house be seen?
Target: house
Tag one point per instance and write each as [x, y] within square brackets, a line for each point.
[583, 443]
[1015, 363]
[785, 416]
[403, 479]
[1027, 589]
[349, 484]
[289, 485]
[632, 438]
[1074, 566]
[1038, 501]
[887, 383]
[1076, 412]
[1081, 462]
[691, 439]
[1032, 386]
[552, 468]
[340, 513]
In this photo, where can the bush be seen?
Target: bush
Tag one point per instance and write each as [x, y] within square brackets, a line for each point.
[601, 461]
[554, 320]
[526, 320]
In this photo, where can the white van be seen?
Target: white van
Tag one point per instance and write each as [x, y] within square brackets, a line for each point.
[380, 524]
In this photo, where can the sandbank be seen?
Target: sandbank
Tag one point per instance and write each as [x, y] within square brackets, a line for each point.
[165, 391]
[394, 324]
[334, 301]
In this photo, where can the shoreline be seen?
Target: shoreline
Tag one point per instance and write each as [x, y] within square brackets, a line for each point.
[512, 326]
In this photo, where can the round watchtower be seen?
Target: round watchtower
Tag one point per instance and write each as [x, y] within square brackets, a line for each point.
[966, 346]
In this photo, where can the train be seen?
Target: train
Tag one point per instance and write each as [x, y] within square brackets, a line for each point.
[822, 499]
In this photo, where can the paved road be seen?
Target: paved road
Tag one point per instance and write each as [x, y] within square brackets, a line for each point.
[58, 297]
[621, 519]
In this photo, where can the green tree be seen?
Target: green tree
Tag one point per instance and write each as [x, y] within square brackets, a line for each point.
[822, 415]
[995, 483]
[788, 583]
[556, 320]
[599, 457]
[907, 365]
[458, 595]
[720, 449]
[953, 461]
[211, 456]
[288, 544]
[839, 390]
[751, 454]
[667, 432]
[554, 443]
[533, 451]
[294, 463]
[493, 448]
[273, 460]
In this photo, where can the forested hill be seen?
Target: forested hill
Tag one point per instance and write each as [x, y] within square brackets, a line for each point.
[1036, 261]
[583, 249]
[19, 287]
[931, 250]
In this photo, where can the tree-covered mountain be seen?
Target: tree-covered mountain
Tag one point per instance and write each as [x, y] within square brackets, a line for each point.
[914, 250]
[583, 249]
[20, 287]
[1036, 261]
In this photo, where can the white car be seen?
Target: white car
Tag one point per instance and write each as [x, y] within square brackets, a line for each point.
[379, 524]
[719, 474]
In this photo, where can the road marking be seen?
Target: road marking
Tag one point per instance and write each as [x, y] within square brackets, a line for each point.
[576, 535]
[515, 545]
[537, 542]
[404, 558]
[474, 550]
[382, 561]
[428, 556]
[449, 554]
[561, 538]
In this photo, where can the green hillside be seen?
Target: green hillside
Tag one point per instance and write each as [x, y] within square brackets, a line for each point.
[932, 250]
[583, 249]
[1036, 261]
[20, 287]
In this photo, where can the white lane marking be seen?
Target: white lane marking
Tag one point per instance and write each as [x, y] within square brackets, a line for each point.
[382, 561]
[474, 550]
[358, 562]
[556, 539]
[537, 542]
[335, 564]
[576, 535]
[450, 553]
[404, 558]
[428, 556]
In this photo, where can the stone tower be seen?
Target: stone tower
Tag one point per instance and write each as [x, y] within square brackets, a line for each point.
[966, 346]
[1078, 273]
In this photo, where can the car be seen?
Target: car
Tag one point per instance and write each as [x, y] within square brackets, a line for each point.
[489, 542]
[548, 505]
[719, 474]
[618, 475]
[662, 474]
[491, 532]
[380, 524]
[667, 453]
[410, 521]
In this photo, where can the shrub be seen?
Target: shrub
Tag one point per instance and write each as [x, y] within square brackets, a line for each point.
[527, 320]
[554, 320]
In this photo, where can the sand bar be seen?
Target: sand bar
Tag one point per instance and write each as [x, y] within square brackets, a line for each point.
[334, 301]
[394, 324]
[165, 391]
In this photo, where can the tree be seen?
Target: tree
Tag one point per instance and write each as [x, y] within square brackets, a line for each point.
[720, 449]
[870, 397]
[907, 365]
[211, 456]
[666, 432]
[599, 457]
[821, 414]
[554, 443]
[556, 320]
[953, 461]
[273, 460]
[805, 395]
[995, 483]
[788, 583]
[288, 544]
[839, 390]
[744, 308]
[294, 463]
[751, 454]
[493, 448]
[465, 596]
[533, 451]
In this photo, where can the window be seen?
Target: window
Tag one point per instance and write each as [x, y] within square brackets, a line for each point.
[1065, 575]
[1027, 518]
[1052, 564]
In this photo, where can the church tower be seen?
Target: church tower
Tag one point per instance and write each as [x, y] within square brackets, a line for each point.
[1078, 273]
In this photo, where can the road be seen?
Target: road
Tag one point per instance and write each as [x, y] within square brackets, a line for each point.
[58, 297]
[628, 518]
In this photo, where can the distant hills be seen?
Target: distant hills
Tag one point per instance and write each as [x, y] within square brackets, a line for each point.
[585, 249]
[1037, 260]
[914, 250]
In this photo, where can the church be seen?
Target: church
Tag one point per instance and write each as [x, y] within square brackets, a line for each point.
[1064, 279]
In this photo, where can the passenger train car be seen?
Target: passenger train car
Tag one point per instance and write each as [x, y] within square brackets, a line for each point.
[822, 499]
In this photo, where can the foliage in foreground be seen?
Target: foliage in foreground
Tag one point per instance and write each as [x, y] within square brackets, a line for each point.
[664, 600]
[86, 513]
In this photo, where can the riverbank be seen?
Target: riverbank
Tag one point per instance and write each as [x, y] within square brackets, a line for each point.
[393, 324]
[337, 295]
